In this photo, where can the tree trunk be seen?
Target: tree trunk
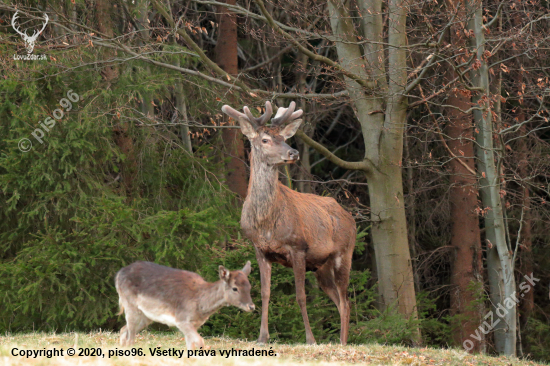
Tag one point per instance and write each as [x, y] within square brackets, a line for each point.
[466, 268]
[104, 12]
[526, 268]
[411, 207]
[383, 139]
[182, 114]
[527, 303]
[502, 282]
[465, 233]
[304, 169]
[181, 108]
[147, 107]
[389, 235]
[392, 242]
[226, 58]
[109, 72]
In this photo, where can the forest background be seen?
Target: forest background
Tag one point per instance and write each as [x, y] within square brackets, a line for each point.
[427, 120]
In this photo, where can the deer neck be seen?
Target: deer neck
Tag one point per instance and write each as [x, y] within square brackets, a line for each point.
[212, 298]
[263, 188]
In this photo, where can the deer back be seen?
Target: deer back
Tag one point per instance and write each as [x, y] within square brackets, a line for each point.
[306, 222]
[169, 295]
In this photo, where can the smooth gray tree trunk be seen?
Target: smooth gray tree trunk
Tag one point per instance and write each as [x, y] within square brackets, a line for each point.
[499, 256]
[383, 133]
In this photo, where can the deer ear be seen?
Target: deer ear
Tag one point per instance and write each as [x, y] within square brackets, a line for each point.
[247, 268]
[290, 129]
[247, 128]
[224, 273]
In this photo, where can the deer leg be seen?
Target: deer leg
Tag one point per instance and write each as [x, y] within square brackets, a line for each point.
[342, 282]
[123, 336]
[299, 266]
[325, 278]
[193, 340]
[135, 322]
[144, 323]
[265, 277]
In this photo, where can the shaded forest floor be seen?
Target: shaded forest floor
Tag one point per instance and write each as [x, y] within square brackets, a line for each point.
[370, 354]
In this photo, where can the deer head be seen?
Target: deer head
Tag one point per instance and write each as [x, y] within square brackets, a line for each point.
[269, 142]
[237, 287]
[29, 40]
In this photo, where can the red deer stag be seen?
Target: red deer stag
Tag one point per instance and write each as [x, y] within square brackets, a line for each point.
[150, 292]
[302, 231]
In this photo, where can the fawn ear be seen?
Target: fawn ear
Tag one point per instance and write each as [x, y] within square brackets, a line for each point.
[247, 128]
[290, 129]
[224, 273]
[247, 268]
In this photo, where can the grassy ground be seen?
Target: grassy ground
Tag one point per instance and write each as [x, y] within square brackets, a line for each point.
[370, 354]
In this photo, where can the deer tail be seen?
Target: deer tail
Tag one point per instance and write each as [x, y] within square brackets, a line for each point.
[121, 307]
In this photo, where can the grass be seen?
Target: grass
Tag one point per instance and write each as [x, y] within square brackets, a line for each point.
[323, 354]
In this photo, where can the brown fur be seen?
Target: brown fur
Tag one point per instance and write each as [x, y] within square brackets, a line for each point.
[302, 231]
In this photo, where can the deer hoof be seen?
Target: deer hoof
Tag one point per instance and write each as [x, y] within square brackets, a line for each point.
[311, 341]
[263, 340]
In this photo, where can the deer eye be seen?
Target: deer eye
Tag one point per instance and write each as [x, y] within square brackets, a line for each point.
[235, 289]
[265, 141]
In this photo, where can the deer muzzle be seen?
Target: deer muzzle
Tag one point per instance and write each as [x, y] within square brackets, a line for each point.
[248, 307]
[292, 155]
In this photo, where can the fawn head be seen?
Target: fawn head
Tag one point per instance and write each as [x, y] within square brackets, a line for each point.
[237, 287]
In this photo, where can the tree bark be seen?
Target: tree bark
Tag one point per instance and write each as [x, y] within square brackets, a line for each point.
[500, 269]
[527, 303]
[465, 233]
[147, 107]
[104, 10]
[110, 72]
[411, 206]
[387, 201]
[226, 58]
[181, 107]
[466, 269]
[383, 138]
[389, 235]
[304, 172]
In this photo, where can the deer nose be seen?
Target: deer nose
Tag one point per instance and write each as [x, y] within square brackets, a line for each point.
[251, 307]
[293, 154]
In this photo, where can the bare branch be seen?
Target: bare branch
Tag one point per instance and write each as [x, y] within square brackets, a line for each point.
[438, 131]
[365, 165]
[424, 100]
[497, 15]
[208, 62]
[268, 61]
[266, 93]
[309, 53]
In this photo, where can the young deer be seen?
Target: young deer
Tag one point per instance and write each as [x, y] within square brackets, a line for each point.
[302, 231]
[150, 292]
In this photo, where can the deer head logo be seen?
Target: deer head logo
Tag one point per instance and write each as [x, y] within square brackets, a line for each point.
[29, 40]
